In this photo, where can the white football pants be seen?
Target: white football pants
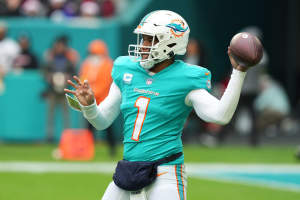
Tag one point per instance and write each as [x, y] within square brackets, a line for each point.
[170, 185]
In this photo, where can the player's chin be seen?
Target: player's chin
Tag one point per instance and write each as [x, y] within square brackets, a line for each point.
[145, 56]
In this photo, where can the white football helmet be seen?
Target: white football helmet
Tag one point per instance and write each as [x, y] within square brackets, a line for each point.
[171, 31]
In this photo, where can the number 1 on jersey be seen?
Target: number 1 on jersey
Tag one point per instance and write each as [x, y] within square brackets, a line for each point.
[142, 105]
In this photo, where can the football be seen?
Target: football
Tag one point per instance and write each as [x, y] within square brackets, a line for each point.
[246, 49]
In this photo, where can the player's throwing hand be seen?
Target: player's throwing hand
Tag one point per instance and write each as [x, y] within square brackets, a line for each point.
[234, 63]
[82, 91]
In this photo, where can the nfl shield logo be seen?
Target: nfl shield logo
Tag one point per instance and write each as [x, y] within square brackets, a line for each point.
[149, 81]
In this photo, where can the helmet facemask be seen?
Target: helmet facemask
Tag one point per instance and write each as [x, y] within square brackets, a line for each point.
[155, 55]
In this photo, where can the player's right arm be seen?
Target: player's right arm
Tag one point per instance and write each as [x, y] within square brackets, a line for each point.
[211, 109]
[104, 114]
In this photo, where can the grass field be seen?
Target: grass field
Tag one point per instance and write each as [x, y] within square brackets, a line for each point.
[86, 186]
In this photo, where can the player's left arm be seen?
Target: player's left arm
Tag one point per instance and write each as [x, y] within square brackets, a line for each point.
[211, 109]
[103, 115]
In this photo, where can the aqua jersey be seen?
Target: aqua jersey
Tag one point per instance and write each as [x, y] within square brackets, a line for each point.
[153, 107]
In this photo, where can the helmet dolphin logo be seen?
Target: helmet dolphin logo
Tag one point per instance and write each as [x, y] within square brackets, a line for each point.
[177, 27]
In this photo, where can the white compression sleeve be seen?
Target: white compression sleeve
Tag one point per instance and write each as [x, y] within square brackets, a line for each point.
[106, 112]
[211, 109]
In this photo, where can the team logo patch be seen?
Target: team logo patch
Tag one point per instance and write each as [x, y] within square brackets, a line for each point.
[178, 27]
[127, 78]
[149, 81]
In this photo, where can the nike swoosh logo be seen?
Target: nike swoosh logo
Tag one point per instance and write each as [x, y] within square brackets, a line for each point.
[161, 173]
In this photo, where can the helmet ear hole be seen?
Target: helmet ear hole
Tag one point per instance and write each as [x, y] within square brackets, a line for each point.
[155, 54]
[171, 54]
[161, 37]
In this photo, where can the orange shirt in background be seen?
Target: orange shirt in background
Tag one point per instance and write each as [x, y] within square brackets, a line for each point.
[97, 70]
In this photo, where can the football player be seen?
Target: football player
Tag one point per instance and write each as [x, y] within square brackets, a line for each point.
[155, 94]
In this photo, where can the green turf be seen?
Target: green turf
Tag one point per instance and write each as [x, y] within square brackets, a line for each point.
[241, 154]
[202, 189]
[60, 186]
[77, 186]
[226, 154]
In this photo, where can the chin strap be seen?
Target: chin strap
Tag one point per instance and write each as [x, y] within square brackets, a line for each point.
[147, 65]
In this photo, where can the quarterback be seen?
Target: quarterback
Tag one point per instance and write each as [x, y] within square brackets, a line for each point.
[155, 94]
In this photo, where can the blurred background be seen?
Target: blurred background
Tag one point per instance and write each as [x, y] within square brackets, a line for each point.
[44, 42]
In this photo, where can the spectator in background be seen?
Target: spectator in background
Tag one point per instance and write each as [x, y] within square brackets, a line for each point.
[71, 8]
[195, 53]
[26, 59]
[59, 67]
[10, 8]
[107, 8]
[89, 9]
[97, 64]
[120, 6]
[272, 105]
[9, 50]
[32, 8]
[61, 9]
[96, 68]
[57, 10]
[71, 53]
